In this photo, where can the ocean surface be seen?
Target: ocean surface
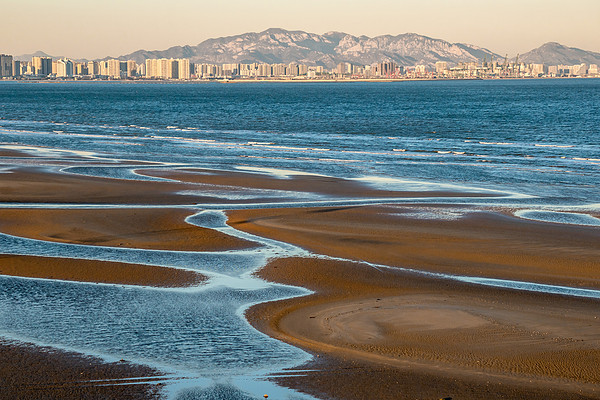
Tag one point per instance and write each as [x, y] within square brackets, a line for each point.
[533, 143]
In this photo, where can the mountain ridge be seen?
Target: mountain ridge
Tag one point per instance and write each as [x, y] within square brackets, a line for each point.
[277, 45]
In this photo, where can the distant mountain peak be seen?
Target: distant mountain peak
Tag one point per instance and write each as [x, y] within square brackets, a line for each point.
[553, 53]
[277, 45]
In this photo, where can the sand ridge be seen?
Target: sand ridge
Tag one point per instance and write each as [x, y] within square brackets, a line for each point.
[325, 185]
[143, 228]
[70, 269]
[523, 342]
[477, 243]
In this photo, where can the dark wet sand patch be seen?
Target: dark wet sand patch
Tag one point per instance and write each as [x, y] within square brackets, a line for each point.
[97, 271]
[31, 372]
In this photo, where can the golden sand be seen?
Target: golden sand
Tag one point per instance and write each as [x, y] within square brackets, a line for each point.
[476, 244]
[143, 228]
[368, 322]
[97, 271]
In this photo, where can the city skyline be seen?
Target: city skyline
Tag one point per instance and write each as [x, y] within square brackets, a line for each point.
[80, 30]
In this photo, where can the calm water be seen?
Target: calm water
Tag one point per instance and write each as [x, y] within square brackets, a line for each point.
[536, 137]
[537, 140]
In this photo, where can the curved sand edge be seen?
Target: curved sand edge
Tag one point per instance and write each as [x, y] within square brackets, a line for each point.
[484, 244]
[372, 327]
[142, 228]
[69, 269]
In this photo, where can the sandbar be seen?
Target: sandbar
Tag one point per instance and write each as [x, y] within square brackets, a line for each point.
[39, 185]
[143, 228]
[389, 334]
[97, 271]
[476, 243]
[324, 185]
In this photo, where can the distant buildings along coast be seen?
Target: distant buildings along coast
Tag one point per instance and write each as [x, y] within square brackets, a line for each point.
[183, 69]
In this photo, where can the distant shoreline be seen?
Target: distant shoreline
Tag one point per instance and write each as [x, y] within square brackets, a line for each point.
[201, 81]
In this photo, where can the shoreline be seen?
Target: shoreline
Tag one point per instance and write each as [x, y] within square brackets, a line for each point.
[464, 335]
[451, 338]
[350, 80]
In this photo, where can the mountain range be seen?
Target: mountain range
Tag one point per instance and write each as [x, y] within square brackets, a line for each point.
[276, 45]
[281, 46]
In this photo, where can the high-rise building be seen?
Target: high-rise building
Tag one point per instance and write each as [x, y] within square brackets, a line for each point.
[130, 68]
[441, 67]
[64, 68]
[42, 66]
[538, 69]
[292, 69]
[184, 69]
[231, 69]
[279, 69]
[165, 68]
[264, 70]
[141, 70]
[113, 69]
[17, 68]
[93, 68]
[151, 68]
[6, 65]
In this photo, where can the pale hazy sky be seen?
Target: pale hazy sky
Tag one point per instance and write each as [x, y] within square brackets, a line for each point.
[95, 29]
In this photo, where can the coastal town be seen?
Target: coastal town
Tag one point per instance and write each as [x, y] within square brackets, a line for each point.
[47, 68]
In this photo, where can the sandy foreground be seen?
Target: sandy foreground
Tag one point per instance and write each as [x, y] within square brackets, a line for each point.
[386, 334]
[31, 372]
[378, 333]
[392, 334]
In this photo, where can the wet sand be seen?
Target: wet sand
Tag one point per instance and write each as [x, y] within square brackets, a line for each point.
[474, 244]
[142, 228]
[38, 185]
[33, 372]
[324, 185]
[97, 271]
[378, 333]
[386, 334]
[9, 153]
[381, 332]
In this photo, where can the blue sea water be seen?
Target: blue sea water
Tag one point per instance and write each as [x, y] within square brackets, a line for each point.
[536, 140]
[535, 137]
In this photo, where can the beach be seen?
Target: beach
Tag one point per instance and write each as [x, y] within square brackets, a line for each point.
[417, 241]
[378, 324]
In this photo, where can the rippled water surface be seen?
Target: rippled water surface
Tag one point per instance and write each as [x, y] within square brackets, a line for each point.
[533, 145]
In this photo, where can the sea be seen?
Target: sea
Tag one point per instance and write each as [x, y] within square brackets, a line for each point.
[532, 146]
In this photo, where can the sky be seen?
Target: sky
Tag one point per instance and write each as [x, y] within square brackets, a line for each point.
[96, 29]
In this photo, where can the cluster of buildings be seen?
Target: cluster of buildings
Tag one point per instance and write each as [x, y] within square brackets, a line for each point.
[183, 69]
